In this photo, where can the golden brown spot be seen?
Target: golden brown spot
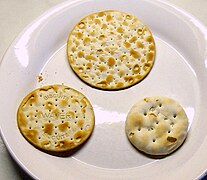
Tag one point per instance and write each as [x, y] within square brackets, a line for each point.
[91, 17]
[108, 18]
[149, 39]
[22, 120]
[80, 54]
[143, 60]
[150, 56]
[152, 114]
[131, 134]
[97, 21]
[151, 47]
[133, 39]
[63, 103]
[47, 88]
[71, 114]
[126, 36]
[86, 41]
[109, 78]
[140, 31]
[129, 79]
[90, 57]
[121, 73]
[48, 128]
[135, 20]
[83, 110]
[89, 64]
[85, 77]
[75, 101]
[32, 135]
[72, 59]
[125, 23]
[139, 76]
[80, 136]
[146, 99]
[102, 68]
[79, 35]
[107, 49]
[120, 30]
[70, 42]
[31, 115]
[92, 33]
[45, 143]
[77, 42]
[171, 139]
[100, 51]
[83, 102]
[128, 17]
[98, 73]
[120, 84]
[112, 50]
[88, 67]
[140, 44]
[136, 69]
[73, 48]
[81, 25]
[64, 144]
[102, 83]
[80, 122]
[146, 66]
[119, 36]
[78, 68]
[126, 44]
[123, 57]
[39, 114]
[32, 99]
[101, 37]
[63, 126]
[102, 58]
[101, 14]
[49, 105]
[104, 26]
[134, 53]
[111, 61]
[69, 143]
[56, 112]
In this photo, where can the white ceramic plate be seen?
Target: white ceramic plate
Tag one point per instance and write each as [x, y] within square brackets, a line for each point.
[180, 72]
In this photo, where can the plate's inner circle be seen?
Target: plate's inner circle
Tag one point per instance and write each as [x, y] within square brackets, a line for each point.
[108, 147]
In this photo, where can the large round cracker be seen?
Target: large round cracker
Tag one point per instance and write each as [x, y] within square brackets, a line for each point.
[111, 50]
[55, 118]
[156, 125]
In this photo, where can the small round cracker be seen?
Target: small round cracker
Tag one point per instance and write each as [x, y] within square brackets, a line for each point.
[55, 118]
[156, 125]
[111, 50]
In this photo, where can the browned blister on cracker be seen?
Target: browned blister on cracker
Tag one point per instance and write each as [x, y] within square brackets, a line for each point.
[55, 118]
[111, 43]
[156, 125]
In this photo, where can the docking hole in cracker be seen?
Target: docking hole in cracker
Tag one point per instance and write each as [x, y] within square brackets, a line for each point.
[111, 50]
[55, 118]
[156, 125]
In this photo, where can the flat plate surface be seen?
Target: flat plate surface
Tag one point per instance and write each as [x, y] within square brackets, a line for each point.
[179, 72]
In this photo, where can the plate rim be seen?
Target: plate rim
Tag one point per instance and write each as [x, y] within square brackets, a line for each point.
[53, 10]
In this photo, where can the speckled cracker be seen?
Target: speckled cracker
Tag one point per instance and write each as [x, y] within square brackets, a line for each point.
[55, 118]
[111, 50]
[156, 125]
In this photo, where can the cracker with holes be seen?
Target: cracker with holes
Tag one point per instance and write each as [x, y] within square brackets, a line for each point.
[55, 118]
[111, 50]
[156, 125]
